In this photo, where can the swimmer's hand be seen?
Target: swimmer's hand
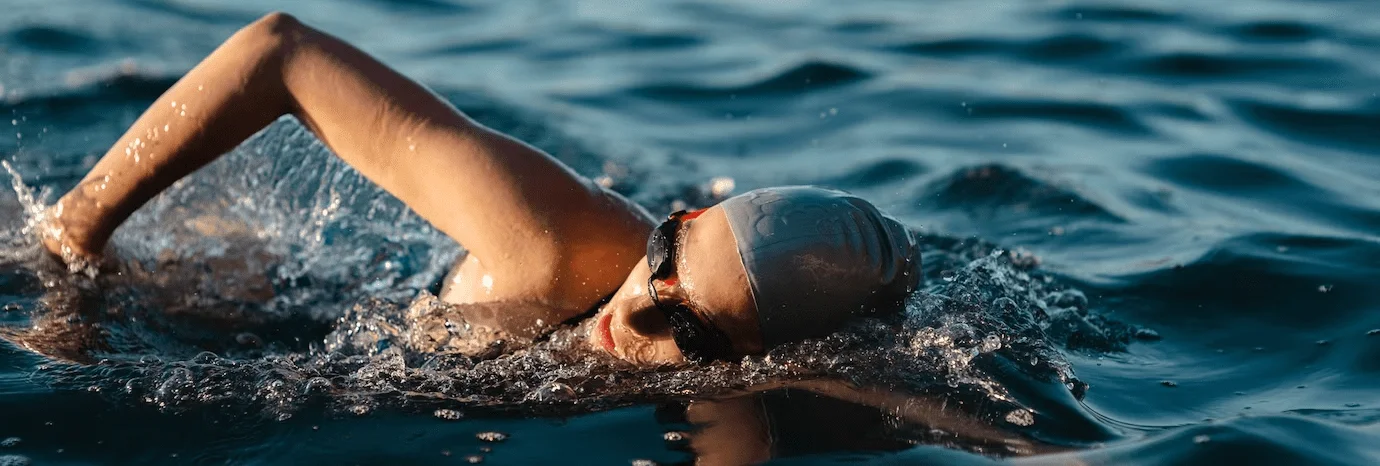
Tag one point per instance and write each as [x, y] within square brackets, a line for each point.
[64, 234]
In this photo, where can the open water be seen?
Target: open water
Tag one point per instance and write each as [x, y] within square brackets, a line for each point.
[1150, 233]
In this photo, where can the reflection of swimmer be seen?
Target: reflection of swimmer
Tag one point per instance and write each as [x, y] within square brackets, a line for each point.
[545, 245]
[808, 417]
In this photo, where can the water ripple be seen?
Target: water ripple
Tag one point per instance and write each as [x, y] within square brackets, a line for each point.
[806, 77]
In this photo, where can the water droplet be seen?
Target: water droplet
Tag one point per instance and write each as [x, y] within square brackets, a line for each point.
[991, 343]
[448, 414]
[643, 462]
[1201, 439]
[474, 459]
[1169, 383]
[948, 275]
[1020, 417]
[491, 436]
[673, 436]
[1325, 288]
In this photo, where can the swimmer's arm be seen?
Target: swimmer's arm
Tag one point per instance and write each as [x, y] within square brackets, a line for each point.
[526, 216]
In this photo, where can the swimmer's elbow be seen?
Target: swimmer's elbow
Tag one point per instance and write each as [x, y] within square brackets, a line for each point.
[276, 22]
[274, 30]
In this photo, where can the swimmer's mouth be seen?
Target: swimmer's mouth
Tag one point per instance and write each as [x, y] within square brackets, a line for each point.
[605, 334]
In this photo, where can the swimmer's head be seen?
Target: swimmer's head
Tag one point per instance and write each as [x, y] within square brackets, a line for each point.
[758, 270]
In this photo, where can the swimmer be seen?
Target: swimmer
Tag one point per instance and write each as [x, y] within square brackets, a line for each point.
[546, 246]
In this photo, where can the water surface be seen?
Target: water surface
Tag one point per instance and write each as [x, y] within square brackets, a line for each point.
[1163, 212]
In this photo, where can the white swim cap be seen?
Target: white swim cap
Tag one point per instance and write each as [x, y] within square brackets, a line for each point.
[816, 257]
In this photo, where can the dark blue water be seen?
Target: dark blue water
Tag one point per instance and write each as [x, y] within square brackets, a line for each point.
[1162, 215]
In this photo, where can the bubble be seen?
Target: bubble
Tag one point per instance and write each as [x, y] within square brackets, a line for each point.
[673, 436]
[643, 462]
[317, 386]
[1020, 417]
[491, 436]
[474, 459]
[1201, 439]
[448, 414]
[554, 391]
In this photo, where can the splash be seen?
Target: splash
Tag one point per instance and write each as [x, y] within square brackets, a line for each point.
[40, 222]
[278, 279]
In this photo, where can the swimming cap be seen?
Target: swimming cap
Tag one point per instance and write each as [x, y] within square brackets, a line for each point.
[816, 257]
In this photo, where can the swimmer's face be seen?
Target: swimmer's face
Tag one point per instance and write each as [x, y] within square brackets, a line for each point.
[709, 277]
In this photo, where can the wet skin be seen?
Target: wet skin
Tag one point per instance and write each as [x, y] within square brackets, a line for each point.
[709, 275]
[545, 244]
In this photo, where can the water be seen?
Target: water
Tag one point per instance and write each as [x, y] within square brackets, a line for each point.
[1149, 231]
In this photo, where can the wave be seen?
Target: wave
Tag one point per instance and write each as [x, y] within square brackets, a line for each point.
[1204, 65]
[1276, 31]
[876, 173]
[803, 78]
[1350, 128]
[1064, 47]
[1115, 14]
[1090, 115]
[1305, 282]
[996, 191]
[54, 39]
[1226, 174]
